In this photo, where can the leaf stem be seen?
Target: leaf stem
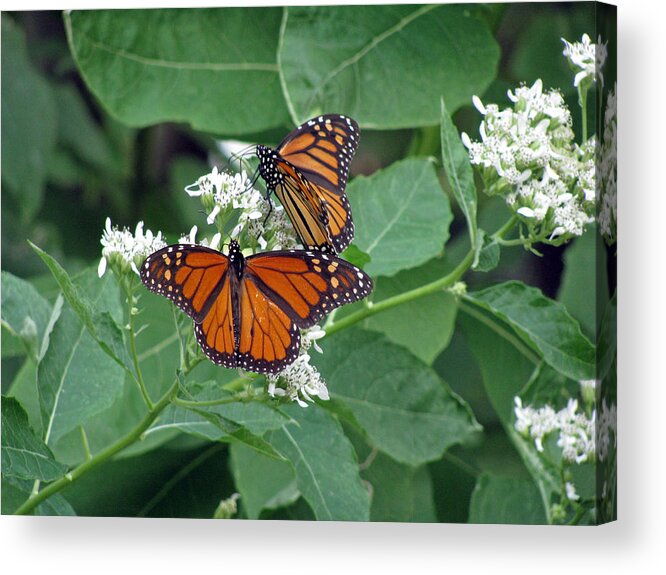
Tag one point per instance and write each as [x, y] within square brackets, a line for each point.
[34, 500]
[238, 397]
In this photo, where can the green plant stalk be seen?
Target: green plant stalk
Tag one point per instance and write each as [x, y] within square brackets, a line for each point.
[582, 100]
[133, 436]
[135, 357]
[421, 291]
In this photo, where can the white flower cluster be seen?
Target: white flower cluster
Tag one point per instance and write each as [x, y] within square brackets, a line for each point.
[124, 250]
[528, 155]
[607, 165]
[607, 423]
[576, 431]
[222, 193]
[586, 59]
[300, 380]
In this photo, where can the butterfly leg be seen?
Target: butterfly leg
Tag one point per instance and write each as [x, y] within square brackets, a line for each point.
[270, 206]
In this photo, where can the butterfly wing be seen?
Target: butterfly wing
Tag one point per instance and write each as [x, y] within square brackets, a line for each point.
[190, 276]
[305, 208]
[321, 150]
[268, 339]
[307, 285]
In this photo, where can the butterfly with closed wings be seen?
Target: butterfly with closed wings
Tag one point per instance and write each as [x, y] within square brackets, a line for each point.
[308, 172]
[247, 311]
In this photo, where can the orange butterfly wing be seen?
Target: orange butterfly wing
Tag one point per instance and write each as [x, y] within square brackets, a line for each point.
[190, 276]
[307, 285]
[311, 167]
[249, 316]
[322, 149]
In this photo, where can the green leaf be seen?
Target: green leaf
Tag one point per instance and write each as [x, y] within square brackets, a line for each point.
[237, 432]
[504, 368]
[76, 379]
[507, 501]
[263, 482]
[400, 492]
[607, 343]
[355, 256]
[459, 171]
[325, 464]
[25, 313]
[78, 131]
[28, 122]
[545, 325]
[401, 216]
[486, 254]
[192, 65]
[24, 455]
[423, 326]
[386, 66]
[578, 291]
[15, 491]
[404, 408]
[99, 324]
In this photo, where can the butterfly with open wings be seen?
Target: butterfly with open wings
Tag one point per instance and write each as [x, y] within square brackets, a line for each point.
[247, 311]
[308, 172]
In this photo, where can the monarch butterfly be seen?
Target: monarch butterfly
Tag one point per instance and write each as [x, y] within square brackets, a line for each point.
[308, 172]
[247, 311]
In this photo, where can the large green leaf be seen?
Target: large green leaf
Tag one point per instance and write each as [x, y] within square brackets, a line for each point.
[507, 501]
[76, 379]
[263, 482]
[424, 326]
[401, 404]
[24, 455]
[325, 464]
[99, 323]
[386, 66]
[459, 171]
[25, 313]
[401, 216]
[213, 68]
[545, 325]
[28, 122]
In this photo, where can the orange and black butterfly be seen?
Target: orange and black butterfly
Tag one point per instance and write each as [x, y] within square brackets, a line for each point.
[247, 311]
[308, 173]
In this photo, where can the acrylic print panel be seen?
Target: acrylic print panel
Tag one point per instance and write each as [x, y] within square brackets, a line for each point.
[400, 308]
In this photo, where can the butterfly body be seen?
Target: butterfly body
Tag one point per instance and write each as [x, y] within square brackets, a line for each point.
[247, 311]
[308, 172]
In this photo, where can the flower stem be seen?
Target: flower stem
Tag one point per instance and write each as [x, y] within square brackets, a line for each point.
[582, 100]
[135, 357]
[53, 488]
